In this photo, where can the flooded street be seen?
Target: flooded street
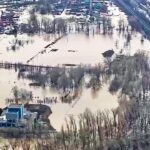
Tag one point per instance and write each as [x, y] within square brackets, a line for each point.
[74, 48]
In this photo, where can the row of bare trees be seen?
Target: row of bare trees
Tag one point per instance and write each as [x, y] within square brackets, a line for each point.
[20, 96]
[68, 80]
[45, 24]
[131, 74]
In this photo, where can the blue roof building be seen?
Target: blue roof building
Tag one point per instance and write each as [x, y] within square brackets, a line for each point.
[12, 115]
[15, 112]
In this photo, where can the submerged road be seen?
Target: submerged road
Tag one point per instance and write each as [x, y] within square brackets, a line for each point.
[44, 50]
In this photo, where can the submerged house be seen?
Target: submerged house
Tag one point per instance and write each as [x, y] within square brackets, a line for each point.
[16, 116]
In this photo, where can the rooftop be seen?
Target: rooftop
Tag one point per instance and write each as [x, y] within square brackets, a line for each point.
[15, 106]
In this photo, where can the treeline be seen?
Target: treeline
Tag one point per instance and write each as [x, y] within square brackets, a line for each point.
[130, 74]
[44, 6]
[40, 21]
[20, 96]
[43, 24]
[17, 43]
[68, 81]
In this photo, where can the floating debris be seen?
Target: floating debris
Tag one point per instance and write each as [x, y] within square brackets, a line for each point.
[69, 65]
[54, 50]
[108, 53]
[34, 84]
[72, 51]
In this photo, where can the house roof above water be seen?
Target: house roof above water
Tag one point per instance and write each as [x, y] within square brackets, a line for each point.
[15, 106]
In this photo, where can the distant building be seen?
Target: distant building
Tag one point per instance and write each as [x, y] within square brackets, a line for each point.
[15, 112]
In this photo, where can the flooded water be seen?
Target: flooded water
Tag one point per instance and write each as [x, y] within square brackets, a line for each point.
[88, 50]
[74, 48]
[102, 100]
[23, 53]
[84, 49]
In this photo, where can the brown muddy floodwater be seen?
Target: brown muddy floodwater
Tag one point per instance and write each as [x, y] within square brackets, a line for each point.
[102, 100]
[74, 48]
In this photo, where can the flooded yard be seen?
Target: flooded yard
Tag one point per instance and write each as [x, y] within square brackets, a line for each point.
[88, 49]
[102, 99]
[74, 48]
